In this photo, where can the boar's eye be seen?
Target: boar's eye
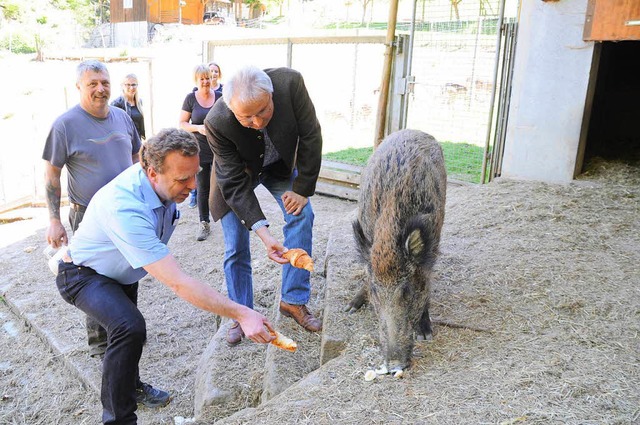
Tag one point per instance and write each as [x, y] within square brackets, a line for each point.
[407, 292]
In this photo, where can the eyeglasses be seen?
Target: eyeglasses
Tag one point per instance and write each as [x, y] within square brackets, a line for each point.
[262, 114]
[131, 85]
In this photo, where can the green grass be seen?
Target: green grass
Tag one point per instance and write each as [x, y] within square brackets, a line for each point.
[462, 160]
[351, 156]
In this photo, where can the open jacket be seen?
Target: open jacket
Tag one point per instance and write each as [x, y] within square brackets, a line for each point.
[239, 151]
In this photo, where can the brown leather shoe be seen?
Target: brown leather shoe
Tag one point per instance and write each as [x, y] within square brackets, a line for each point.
[234, 334]
[301, 315]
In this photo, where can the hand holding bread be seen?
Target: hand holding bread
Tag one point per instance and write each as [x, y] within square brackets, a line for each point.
[283, 342]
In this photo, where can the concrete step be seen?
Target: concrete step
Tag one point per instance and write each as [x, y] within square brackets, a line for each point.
[229, 379]
[345, 276]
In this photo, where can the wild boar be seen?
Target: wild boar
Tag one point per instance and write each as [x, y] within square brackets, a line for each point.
[397, 232]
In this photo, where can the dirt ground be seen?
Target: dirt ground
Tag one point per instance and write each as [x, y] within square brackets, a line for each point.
[540, 280]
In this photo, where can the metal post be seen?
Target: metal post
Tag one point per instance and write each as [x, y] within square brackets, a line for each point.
[493, 92]
[386, 74]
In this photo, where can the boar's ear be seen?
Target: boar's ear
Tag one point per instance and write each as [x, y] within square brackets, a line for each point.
[363, 245]
[418, 243]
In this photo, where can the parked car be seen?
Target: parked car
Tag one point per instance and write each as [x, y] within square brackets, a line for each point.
[213, 18]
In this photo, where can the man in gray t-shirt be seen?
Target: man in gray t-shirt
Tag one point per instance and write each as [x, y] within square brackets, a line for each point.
[95, 143]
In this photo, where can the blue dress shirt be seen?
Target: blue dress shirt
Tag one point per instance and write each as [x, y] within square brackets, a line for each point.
[126, 227]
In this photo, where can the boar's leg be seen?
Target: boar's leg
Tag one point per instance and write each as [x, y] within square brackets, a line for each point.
[360, 299]
[423, 330]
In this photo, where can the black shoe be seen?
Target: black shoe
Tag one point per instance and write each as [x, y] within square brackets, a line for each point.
[152, 397]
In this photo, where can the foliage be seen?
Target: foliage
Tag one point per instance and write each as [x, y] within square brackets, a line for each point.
[463, 160]
[18, 43]
[11, 10]
[39, 21]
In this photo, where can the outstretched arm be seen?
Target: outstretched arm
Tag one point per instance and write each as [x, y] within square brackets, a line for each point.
[206, 298]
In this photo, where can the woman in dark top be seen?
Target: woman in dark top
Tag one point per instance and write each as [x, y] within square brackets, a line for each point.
[194, 110]
[131, 103]
[216, 75]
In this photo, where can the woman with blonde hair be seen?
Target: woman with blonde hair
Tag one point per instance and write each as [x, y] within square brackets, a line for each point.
[131, 103]
[195, 107]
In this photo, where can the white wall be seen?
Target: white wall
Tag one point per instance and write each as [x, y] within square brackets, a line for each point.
[550, 81]
[130, 34]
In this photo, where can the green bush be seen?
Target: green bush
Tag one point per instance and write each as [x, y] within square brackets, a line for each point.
[18, 44]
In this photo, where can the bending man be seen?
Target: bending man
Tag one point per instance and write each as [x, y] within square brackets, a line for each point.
[265, 133]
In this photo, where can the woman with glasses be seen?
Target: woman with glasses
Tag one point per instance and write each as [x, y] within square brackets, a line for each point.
[195, 107]
[131, 103]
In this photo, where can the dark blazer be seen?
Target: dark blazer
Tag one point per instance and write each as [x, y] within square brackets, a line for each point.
[239, 151]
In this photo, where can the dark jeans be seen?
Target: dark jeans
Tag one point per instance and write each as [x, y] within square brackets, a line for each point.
[203, 179]
[96, 334]
[114, 307]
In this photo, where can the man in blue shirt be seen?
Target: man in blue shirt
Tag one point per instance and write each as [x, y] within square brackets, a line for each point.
[122, 238]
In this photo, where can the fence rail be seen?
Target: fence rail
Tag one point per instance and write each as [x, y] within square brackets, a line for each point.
[449, 98]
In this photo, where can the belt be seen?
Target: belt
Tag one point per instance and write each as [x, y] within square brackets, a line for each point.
[77, 207]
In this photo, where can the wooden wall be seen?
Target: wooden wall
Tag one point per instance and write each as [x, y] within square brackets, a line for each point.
[612, 20]
[166, 11]
[138, 11]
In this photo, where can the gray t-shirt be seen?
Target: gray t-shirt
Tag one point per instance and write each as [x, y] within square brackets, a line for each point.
[95, 150]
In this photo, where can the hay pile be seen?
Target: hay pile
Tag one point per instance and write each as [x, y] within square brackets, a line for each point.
[540, 282]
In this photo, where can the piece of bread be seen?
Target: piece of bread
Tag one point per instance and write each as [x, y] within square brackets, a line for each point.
[283, 342]
[298, 257]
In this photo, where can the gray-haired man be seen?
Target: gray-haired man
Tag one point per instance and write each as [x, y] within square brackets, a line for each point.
[95, 143]
[265, 133]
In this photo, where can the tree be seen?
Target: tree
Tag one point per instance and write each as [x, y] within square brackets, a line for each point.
[279, 4]
[11, 11]
[454, 8]
[365, 4]
[39, 39]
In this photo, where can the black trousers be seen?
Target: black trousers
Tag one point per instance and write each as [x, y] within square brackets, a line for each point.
[114, 307]
[96, 334]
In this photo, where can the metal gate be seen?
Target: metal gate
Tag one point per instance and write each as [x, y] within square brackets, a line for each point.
[509, 31]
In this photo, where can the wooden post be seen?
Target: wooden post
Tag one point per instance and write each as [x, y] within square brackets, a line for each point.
[386, 74]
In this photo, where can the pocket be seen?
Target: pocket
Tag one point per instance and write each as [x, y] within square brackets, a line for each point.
[61, 283]
[69, 281]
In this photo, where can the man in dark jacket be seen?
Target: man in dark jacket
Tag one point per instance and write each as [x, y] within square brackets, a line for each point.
[265, 133]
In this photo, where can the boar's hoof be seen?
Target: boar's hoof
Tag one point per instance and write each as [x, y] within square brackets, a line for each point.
[424, 337]
[355, 304]
[358, 300]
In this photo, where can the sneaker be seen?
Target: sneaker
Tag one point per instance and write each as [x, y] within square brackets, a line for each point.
[193, 202]
[204, 230]
[152, 397]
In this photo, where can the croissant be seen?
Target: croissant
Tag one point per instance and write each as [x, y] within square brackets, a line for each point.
[283, 342]
[298, 257]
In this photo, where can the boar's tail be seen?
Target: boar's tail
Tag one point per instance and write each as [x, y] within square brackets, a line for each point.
[419, 242]
[363, 245]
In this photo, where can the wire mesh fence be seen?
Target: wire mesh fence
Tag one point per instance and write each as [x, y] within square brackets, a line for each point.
[452, 63]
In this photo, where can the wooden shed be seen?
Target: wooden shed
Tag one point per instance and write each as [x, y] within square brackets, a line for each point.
[188, 12]
[575, 88]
